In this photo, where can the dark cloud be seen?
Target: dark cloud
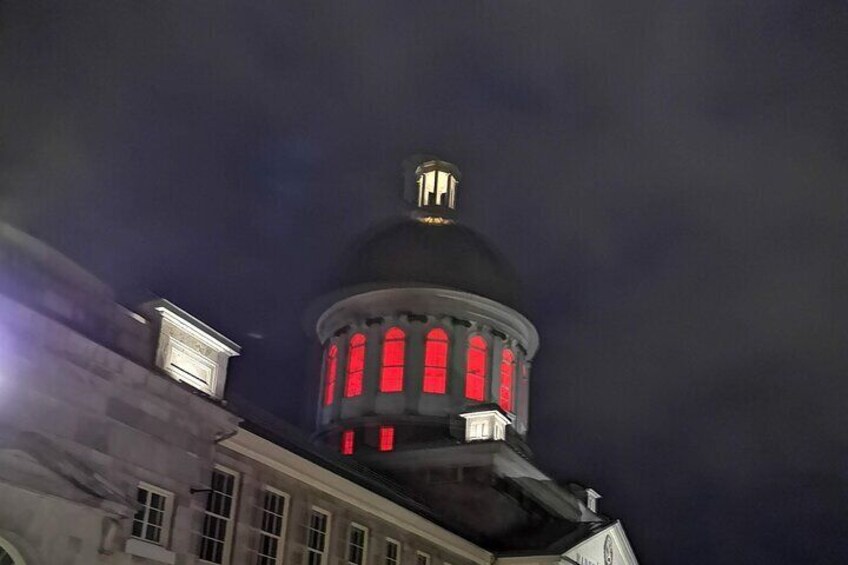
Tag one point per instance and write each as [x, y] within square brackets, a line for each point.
[670, 178]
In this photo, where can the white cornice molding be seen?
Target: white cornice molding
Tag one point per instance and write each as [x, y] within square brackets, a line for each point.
[195, 331]
[616, 531]
[268, 453]
[432, 301]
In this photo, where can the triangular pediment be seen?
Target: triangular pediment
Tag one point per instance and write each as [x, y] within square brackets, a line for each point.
[609, 546]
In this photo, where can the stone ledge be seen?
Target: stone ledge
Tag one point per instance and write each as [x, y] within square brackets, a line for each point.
[151, 551]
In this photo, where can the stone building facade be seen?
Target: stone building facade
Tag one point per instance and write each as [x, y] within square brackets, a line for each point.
[85, 422]
[118, 445]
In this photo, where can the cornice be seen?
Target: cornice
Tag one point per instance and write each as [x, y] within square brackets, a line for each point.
[431, 301]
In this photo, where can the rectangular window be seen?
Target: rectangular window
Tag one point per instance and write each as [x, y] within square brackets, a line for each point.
[422, 558]
[436, 361]
[272, 527]
[387, 438]
[357, 545]
[216, 536]
[392, 552]
[152, 521]
[347, 442]
[316, 538]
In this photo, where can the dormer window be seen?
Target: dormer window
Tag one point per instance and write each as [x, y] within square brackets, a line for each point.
[190, 351]
[485, 425]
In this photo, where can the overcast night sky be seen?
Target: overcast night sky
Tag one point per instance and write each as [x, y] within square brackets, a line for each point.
[669, 178]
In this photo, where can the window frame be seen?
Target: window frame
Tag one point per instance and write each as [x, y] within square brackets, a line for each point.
[425, 381]
[281, 538]
[385, 367]
[348, 546]
[386, 438]
[510, 365]
[485, 352]
[425, 555]
[11, 551]
[175, 347]
[349, 390]
[327, 531]
[399, 558]
[331, 370]
[167, 514]
[229, 530]
[343, 447]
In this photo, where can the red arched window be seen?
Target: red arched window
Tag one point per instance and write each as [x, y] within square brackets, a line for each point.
[391, 372]
[355, 365]
[347, 442]
[387, 438]
[507, 378]
[475, 368]
[436, 361]
[330, 366]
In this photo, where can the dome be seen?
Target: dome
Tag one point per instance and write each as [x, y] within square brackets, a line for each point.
[443, 255]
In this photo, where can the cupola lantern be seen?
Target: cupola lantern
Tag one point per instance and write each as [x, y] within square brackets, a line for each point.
[436, 183]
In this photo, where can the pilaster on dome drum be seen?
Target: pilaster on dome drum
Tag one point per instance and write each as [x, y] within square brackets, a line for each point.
[436, 302]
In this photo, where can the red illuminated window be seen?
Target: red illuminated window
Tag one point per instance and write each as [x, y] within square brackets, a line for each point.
[475, 368]
[347, 442]
[387, 438]
[436, 361]
[507, 378]
[330, 365]
[355, 365]
[391, 372]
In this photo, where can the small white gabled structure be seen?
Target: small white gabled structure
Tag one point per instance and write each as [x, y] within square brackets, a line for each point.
[609, 546]
[190, 351]
[485, 425]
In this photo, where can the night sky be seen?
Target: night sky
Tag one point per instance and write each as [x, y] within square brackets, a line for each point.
[669, 178]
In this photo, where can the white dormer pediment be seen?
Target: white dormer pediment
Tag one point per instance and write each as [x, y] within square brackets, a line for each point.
[485, 425]
[610, 546]
[190, 351]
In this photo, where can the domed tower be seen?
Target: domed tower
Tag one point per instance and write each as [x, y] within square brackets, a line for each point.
[423, 342]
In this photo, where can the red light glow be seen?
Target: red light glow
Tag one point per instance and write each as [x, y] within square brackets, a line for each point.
[355, 365]
[391, 373]
[347, 442]
[387, 438]
[507, 377]
[330, 365]
[436, 361]
[475, 369]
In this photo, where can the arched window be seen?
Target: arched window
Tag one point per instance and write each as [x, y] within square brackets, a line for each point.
[9, 555]
[355, 365]
[475, 368]
[347, 442]
[330, 366]
[507, 379]
[436, 361]
[391, 372]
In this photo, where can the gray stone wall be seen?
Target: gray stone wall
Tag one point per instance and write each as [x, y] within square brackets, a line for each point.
[91, 424]
[81, 425]
[255, 476]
